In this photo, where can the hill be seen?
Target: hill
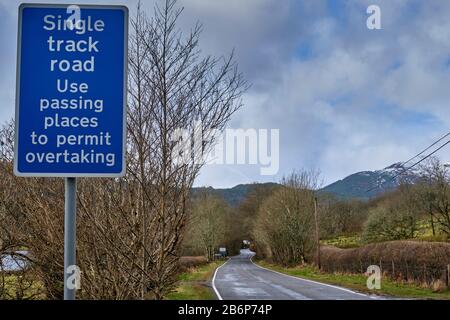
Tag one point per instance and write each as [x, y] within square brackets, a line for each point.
[368, 184]
[362, 185]
[233, 196]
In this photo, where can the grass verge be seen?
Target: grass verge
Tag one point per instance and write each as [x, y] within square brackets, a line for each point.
[194, 284]
[358, 282]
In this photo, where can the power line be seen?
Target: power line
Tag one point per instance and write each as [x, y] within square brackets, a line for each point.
[415, 164]
[427, 148]
[426, 157]
[420, 153]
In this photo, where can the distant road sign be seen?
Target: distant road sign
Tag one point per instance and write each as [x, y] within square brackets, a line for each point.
[71, 91]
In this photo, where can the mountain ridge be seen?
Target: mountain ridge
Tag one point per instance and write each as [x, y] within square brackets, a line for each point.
[234, 195]
[365, 185]
[362, 185]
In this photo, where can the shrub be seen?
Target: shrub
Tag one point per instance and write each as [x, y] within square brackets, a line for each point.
[421, 262]
[285, 223]
[395, 218]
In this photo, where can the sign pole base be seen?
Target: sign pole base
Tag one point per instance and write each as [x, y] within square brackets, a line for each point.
[70, 238]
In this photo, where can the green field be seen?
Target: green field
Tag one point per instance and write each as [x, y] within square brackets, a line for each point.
[195, 283]
[424, 233]
[358, 282]
[344, 242]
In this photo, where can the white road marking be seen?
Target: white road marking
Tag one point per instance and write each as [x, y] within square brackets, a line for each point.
[243, 289]
[214, 278]
[311, 281]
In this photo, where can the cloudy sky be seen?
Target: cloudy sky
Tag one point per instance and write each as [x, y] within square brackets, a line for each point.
[345, 98]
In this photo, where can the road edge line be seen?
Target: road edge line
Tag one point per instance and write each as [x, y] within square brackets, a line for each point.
[214, 278]
[312, 281]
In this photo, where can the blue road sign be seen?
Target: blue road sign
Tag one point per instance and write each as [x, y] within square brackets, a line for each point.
[71, 90]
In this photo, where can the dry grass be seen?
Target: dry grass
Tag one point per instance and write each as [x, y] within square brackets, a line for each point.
[188, 262]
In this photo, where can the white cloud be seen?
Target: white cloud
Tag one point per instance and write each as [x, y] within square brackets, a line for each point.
[344, 98]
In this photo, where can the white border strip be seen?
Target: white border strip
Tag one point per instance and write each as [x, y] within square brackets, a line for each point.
[19, 173]
[214, 278]
[312, 281]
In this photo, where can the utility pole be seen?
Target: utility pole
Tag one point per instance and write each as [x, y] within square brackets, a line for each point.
[316, 218]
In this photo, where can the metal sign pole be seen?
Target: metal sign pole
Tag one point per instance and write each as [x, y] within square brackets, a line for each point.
[70, 235]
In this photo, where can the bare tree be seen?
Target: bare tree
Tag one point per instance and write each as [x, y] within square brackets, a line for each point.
[242, 218]
[395, 217]
[24, 228]
[284, 228]
[342, 217]
[172, 87]
[208, 223]
[130, 229]
[435, 194]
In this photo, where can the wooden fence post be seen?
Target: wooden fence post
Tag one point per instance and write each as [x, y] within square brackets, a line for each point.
[425, 273]
[393, 269]
[407, 276]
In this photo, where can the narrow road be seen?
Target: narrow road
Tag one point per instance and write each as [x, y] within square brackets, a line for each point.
[240, 279]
